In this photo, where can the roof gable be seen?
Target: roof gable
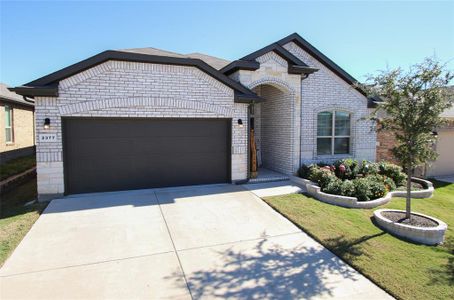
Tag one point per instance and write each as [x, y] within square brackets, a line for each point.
[48, 85]
[248, 62]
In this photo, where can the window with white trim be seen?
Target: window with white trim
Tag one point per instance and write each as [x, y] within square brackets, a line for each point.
[333, 132]
[8, 124]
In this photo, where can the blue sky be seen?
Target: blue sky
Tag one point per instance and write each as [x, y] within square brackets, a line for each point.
[37, 38]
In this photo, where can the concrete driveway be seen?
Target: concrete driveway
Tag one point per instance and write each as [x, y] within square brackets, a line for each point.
[208, 242]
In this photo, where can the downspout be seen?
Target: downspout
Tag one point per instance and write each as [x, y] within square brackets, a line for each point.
[249, 141]
[301, 122]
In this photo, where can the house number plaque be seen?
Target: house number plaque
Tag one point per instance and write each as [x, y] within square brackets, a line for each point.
[48, 137]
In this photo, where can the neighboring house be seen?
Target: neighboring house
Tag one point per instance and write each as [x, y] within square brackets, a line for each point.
[17, 125]
[444, 164]
[143, 118]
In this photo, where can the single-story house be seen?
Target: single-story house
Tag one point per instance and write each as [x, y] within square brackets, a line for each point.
[144, 118]
[17, 136]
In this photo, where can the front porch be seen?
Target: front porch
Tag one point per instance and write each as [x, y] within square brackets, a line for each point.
[274, 130]
[267, 175]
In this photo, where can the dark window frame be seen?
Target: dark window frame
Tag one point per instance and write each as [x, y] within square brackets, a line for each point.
[333, 135]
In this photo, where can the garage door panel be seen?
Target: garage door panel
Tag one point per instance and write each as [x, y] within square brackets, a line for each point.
[119, 154]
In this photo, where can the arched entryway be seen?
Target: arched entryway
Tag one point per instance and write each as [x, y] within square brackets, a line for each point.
[273, 125]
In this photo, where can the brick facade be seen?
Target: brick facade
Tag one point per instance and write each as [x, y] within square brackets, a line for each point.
[23, 135]
[142, 90]
[285, 123]
[386, 141]
[278, 118]
[324, 90]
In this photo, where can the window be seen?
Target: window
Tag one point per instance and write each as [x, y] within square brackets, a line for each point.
[8, 124]
[333, 133]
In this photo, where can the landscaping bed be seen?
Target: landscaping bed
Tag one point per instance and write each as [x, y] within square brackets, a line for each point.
[406, 270]
[349, 183]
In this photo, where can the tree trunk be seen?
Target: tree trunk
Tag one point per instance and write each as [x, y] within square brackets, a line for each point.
[408, 202]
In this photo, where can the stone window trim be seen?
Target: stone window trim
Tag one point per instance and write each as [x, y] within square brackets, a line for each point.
[333, 156]
[9, 125]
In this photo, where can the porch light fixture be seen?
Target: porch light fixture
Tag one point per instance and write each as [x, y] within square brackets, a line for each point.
[46, 123]
[240, 123]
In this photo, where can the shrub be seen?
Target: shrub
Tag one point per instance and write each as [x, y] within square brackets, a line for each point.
[361, 189]
[369, 168]
[394, 172]
[389, 184]
[333, 186]
[348, 188]
[304, 171]
[340, 178]
[321, 176]
[377, 189]
[346, 168]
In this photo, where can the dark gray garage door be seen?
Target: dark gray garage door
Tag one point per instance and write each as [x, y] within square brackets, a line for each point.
[121, 154]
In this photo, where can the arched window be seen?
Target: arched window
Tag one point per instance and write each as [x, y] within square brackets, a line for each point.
[333, 132]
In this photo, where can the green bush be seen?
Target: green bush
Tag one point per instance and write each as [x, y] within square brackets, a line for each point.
[351, 168]
[361, 189]
[369, 168]
[394, 172]
[348, 188]
[321, 176]
[377, 189]
[304, 171]
[333, 186]
[341, 178]
[389, 183]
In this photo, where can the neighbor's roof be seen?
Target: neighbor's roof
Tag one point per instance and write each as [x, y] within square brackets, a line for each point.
[449, 113]
[12, 97]
[215, 62]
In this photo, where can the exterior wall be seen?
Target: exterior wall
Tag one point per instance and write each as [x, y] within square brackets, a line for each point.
[282, 110]
[444, 164]
[140, 90]
[324, 90]
[385, 142]
[275, 129]
[23, 135]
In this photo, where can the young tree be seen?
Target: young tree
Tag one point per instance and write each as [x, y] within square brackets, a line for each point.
[412, 102]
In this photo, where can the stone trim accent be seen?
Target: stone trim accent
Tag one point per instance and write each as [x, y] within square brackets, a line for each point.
[93, 105]
[352, 202]
[423, 235]
[275, 82]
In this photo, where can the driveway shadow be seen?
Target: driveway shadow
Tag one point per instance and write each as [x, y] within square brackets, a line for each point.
[145, 197]
[272, 272]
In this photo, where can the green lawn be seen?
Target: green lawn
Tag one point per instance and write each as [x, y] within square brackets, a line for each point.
[17, 166]
[15, 218]
[406, 270]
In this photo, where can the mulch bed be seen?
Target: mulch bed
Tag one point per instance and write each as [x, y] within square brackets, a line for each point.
[416, 220]
[415, 186]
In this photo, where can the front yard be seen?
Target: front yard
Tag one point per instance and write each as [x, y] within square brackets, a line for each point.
[405, 270]
[15, 218]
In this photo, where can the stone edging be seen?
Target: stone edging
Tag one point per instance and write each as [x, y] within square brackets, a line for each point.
[352, 202]
[423, 235]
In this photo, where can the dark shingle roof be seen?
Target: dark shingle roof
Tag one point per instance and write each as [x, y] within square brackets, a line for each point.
[9, 96]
